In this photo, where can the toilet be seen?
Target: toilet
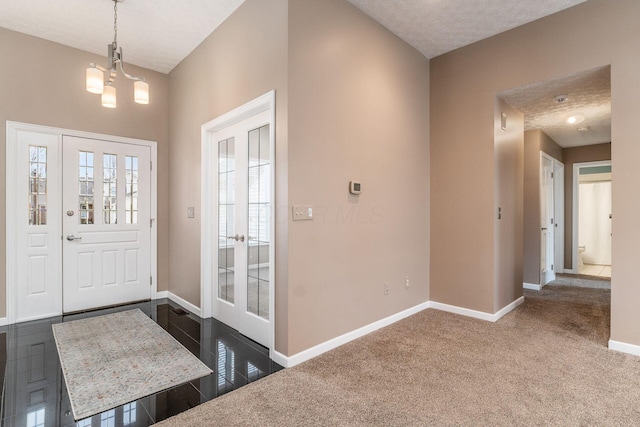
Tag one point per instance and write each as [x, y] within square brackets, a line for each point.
[581, 249]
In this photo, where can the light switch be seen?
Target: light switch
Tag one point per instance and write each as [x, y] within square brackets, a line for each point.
[302, 212]
[191, 212]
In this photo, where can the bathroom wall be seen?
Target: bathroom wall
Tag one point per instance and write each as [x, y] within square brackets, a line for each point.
[594, 228]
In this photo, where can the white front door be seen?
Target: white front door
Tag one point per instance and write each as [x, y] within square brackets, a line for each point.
[547, 273]
[106, 224]
[243, 240]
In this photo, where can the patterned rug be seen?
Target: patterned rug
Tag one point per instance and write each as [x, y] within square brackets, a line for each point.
[111, 360]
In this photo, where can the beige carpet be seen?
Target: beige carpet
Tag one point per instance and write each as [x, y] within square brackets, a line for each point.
[546, 363]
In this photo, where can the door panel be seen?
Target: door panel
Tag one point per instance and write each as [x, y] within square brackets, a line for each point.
[106, 223]
[38, 230]
[244, 206]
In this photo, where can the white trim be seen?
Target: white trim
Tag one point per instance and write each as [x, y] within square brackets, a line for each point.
[477, 314]
[3, 321]
[11, 220]
[184, 303]
[303, 356]
[624, 347]
[162, 294]
[209, 256]
[576, 208]
[531, 286]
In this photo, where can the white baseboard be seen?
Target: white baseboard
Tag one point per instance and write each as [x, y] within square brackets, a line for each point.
[477, 314]
[162, 294]
[3, 321]
[183, 303]
[303, 356]
[624, 347]
[531, 286]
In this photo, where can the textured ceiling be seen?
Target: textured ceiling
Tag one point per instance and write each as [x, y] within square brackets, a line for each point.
[158, 34]
[435, 27]
[155, 34]
[588, 95]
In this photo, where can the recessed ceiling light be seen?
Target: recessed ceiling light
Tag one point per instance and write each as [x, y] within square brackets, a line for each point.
[560, 98]
[574, 120]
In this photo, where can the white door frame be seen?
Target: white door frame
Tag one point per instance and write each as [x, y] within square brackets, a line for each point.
[543, 280]
[558, 209]
[576, 207]
[11, 215]
[209, 170]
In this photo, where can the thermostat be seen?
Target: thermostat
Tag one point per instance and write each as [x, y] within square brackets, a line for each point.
[355, 187]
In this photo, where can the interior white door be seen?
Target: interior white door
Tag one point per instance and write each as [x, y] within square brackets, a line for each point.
[547, 273]
[106, 224]
[558, 208]
[243, 227]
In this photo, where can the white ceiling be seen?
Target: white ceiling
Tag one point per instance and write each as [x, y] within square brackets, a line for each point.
[155, 34]
[435, 27]
[158, 34]
[588, 95]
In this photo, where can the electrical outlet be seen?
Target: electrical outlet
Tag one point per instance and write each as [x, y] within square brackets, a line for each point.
[386, 288]
[406, 282]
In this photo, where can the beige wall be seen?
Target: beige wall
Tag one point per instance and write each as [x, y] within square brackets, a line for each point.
[587, 153]
[244, 58]
[535, 141]
[358, 110]
[463, 87]
[43, 83]
[352, 104]
[508, 196]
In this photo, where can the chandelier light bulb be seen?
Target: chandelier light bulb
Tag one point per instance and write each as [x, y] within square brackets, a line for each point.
[95, 83]
[141, 92]
[109, 97]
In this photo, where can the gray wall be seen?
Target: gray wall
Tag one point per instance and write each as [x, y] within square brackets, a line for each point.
[42, 82]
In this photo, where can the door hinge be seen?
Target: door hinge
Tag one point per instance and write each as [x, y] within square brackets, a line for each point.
[150, 280]
[151, 165]
[551, 175]
[551, 220]
[551, 267]
[151, 222]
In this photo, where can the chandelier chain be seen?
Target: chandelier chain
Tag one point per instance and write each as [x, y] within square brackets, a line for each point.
[115, 22]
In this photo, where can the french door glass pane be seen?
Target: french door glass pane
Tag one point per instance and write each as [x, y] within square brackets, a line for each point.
[259, 208]
[86, 182]
[37, 185]
[226, 223]
[109, 188]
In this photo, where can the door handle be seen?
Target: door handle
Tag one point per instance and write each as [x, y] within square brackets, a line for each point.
[71, 238]
[237, 237]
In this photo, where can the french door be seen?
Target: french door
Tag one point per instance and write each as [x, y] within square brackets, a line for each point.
[243, 241]
[106, 224]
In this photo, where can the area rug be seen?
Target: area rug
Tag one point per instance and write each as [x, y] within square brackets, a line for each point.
[114, 359]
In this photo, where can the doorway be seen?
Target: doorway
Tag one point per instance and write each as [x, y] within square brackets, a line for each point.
[80, 211]
[238, 269]
[592, 218]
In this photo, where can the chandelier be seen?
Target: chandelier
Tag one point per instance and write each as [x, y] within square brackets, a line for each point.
[100, 79]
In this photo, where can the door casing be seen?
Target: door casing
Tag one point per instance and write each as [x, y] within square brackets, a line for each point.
[12, 129]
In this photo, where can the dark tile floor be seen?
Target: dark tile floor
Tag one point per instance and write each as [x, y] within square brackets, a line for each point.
[34, 393]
